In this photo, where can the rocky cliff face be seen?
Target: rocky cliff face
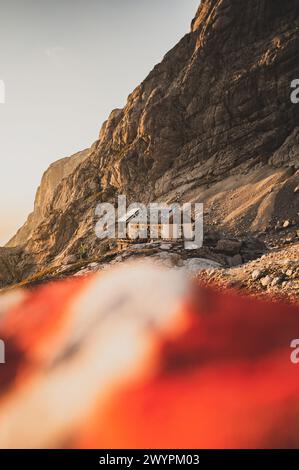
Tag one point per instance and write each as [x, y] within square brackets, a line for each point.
[56, 172]
[213, 123]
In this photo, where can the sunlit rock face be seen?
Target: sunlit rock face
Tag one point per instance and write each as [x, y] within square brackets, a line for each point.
[213, 122]
[56, 172]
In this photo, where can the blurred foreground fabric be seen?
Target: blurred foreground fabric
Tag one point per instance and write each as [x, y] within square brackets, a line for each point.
[141, 357]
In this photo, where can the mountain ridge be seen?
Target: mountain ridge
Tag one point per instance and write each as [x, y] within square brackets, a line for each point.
[212, 123]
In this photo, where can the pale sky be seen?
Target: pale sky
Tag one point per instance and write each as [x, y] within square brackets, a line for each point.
[66, 64]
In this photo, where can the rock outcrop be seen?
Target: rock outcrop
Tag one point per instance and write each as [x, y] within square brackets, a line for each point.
[213, 123]
[56, 172]
[15, 265]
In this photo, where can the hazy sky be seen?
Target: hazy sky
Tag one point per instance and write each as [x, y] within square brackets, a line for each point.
[66, 64]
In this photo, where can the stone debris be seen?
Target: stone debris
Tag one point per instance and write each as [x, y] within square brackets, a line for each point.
[275, 273]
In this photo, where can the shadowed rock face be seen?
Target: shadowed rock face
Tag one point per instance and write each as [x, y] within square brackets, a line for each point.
[15, 264]
[213, 122]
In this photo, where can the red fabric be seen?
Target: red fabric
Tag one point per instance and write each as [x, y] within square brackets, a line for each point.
[221, 377]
